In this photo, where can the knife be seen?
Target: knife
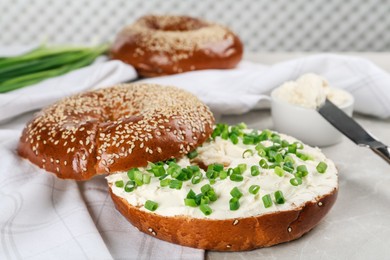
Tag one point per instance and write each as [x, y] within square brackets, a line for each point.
[351, 129]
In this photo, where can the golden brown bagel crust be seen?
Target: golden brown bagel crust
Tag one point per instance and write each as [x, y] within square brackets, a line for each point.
[115, 129]
[230, 234]
[163, 45]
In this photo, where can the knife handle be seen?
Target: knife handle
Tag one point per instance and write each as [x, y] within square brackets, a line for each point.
[383, 152]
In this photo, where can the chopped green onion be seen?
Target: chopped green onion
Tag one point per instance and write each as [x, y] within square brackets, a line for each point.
[242, 125]
[287, 168]
[279, 158]
[234, 204]
[205, 209]
[163, 177]
[261, 152]
[271, 155]
[196, 179]
[279, 198]
[204, 200]
[146, 178]
[302, 170]
[131, 173]
[236, 177]
[321, 167]
[223, 175]
[119, 184]
[212, 181]
[234, 138]
[138, 178]
[198, 198]
[190, 202]
[263, 164]
[279, 171]
[302, 156]
[191, 195]
[240, 169]
[247, 153]
[158, 170]
[205, 188]
[217, 167]
[210, 173]
[289, 159]
[292, 148]
[225, 134]
[192, 155]
[265, 135]
[285, 143]
[267, 201]
[194, 168]
[248, 139]
[296, 181]
[212, 195]
[151, 205]
[173, 170]
[175, 184]
[299, 145]
[236, 193]
[130, 186]
[254, 189]
[165, 182]
[255, 170]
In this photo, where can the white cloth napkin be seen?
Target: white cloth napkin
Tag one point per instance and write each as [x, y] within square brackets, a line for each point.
[43, 217]
[240, 90]
[46, 92]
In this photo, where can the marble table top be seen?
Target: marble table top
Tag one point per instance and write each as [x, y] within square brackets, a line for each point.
[358, 225]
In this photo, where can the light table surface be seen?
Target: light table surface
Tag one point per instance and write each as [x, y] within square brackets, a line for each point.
[358, 226]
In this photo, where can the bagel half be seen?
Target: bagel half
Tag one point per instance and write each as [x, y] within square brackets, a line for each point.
[114, 129]
[252, 225]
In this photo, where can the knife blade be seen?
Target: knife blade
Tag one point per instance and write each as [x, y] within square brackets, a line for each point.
[351, 129]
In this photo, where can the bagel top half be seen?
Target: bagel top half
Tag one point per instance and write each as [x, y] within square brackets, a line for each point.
[114, 129]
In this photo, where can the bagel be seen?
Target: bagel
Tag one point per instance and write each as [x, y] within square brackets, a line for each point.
[163, 45]
[114, 129]
[305, 180]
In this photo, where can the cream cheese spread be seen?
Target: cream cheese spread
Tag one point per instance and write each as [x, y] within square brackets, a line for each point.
[171, 201]
[310, 91]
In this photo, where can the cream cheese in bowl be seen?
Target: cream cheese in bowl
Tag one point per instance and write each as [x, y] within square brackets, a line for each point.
[294, 104]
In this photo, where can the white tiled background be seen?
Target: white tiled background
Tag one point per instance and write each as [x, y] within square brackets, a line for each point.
[263, 25]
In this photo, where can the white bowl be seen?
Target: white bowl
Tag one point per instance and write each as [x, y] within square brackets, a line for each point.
[306, 124]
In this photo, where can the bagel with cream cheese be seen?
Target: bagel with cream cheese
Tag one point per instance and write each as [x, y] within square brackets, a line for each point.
[114, 129]
[162, 45]
[241, 190]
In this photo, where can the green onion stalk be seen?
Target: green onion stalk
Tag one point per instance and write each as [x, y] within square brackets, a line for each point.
[44, 62]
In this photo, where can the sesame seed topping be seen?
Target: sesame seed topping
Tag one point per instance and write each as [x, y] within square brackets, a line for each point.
[121, 120]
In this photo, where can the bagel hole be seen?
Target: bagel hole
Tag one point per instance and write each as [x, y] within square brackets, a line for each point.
[175, 24]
